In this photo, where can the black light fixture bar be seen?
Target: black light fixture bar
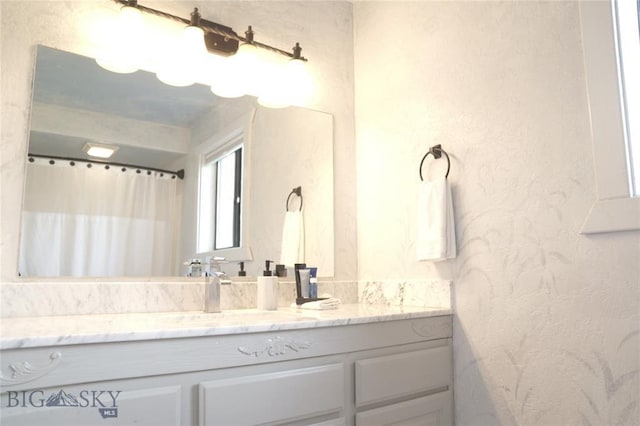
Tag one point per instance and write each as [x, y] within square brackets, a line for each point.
[219, 39]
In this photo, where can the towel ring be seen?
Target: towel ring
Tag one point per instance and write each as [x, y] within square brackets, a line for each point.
[437, 152]
[297, 191]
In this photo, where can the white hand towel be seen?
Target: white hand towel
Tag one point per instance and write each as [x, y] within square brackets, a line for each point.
[436, 239]
[292, 239]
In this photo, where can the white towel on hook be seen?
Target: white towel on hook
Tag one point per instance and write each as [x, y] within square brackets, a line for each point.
[292, 239]
[436, 238]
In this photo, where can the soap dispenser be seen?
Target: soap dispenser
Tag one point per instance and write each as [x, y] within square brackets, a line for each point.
[268, 289]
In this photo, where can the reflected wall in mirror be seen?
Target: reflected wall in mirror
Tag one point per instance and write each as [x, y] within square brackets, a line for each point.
[100, 220]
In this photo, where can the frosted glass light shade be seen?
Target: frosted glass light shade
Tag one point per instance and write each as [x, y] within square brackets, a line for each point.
[247, 58]
[273, 100]
[246, 63]
[299, 82]
[183, 63]
[121, 49]
[223, 79]
[289, 84]
[234, 77]
[273, 83]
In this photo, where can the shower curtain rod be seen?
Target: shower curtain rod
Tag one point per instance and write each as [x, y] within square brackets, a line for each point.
[179, 173]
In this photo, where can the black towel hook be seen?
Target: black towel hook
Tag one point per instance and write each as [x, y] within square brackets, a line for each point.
[297, 191]
[437, 152]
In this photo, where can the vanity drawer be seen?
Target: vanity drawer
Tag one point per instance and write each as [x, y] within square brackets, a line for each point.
[403, 375]
[275, 397]
[432, 410]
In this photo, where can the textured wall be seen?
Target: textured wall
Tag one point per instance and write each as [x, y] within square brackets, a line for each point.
[547, 320]
[324, 30]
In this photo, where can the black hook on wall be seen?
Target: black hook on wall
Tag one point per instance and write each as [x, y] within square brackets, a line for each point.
[437, 152]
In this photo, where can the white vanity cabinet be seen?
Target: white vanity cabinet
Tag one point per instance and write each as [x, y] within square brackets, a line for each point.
[375, 373]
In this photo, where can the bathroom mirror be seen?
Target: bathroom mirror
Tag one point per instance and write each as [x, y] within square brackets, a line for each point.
[158, 129]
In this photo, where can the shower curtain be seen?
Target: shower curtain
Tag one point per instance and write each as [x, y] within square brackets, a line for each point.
[97, 221]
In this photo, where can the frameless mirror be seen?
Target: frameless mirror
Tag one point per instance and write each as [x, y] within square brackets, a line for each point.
[133, 214]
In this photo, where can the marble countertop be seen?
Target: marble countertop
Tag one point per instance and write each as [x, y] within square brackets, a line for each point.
[82, 329]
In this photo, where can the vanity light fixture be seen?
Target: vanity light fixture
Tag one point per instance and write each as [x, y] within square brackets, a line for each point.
[239, 65]
[99, 150]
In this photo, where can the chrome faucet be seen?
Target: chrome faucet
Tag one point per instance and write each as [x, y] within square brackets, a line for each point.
[212, 286]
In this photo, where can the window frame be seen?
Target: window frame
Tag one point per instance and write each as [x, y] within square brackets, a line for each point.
[614, 208]
[236, 134]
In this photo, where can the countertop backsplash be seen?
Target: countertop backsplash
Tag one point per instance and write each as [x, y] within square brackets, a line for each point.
[60, 297]
[434, 293]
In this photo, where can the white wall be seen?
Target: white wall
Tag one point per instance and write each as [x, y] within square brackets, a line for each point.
[547, 327]
[324, 30]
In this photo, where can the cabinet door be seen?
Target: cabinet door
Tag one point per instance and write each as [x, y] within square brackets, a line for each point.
[403, 375]
[271, 398]
[92, 404]
[432, 410]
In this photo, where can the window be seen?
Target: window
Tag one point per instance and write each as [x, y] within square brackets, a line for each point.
[220, 200]
[610, 103]
[627, 23]
[222, 223]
